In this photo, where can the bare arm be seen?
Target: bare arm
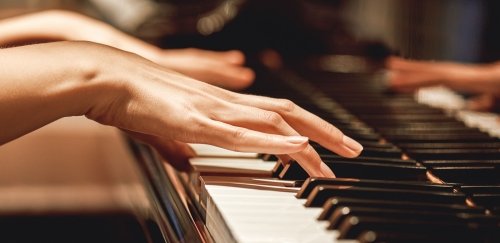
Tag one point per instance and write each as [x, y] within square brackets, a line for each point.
[42, 83]
[220, 68]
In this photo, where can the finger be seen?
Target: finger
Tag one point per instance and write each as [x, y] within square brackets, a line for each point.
[233, 57]
[173, 152]
[227, 76]
[245, 140]
[410, 81]
[271, 122]
[401, 64]
[307, 124]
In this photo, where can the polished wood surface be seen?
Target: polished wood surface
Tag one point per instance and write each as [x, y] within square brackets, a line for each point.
[72, 164]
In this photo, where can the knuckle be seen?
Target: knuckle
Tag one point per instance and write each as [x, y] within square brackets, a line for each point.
[195, 131]
[309, 151]
[238, 136]
[286, 105]
[273, 119]
[330, 129]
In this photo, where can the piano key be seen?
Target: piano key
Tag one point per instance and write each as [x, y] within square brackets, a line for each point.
[353, 226]
[366, 170]
[461, 163]
[459, 154]
[312, 182]
[341, 213]
[385, 152]
[449, 137]
[422, 125]
[363, 170]
[473, 189]
[486, 199]
[408, 237]
[205, 150]
[468, 174]
[269, 216]
[428, 129]
[458, 145]
[367, 159]
[248, 167]
[401, 118]
[336, 202]
[321, 194]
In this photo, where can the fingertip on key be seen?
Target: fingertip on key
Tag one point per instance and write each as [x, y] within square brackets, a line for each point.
[352, 145]
[327, 172]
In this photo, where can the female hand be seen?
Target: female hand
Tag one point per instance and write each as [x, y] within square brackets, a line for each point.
[127, 91]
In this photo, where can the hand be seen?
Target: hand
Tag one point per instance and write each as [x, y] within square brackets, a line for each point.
[224, 69]
[155, 104]
[168, 106]
[406, 75]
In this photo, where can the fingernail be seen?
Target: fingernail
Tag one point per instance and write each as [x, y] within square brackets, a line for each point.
[297, 139]
[327, 172]
[352, 144]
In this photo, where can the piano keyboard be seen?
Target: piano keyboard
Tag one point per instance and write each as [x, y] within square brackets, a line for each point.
[424, 176]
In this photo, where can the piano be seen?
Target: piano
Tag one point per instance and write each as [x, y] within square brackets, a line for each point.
[429, 172]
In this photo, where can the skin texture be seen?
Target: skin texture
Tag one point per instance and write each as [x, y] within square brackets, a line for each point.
[224, 69]
[44, 82]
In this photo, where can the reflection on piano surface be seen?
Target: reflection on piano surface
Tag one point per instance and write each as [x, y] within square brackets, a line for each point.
[424, 175]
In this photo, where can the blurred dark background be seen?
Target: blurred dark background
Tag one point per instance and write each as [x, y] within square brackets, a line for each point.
[459, 30]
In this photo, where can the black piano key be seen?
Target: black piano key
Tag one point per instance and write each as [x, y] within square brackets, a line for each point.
[487, 199]
[458, 154]
[401, 118]
[277, 169]
[475, 189]
[449, 137]
[312, 182]
[468, 174]
[364, 170]
[341, 213]
[368, 159]
[457, 145]
[427, 130]
[421, 125]
[353, 226]
[293, 171]
[409, 237]
[334, 203]
[369, 152]
[377, 144]
[458, 163]
[382, 152]
[321, 194]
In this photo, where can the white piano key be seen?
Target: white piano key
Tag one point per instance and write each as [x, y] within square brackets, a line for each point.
[233, 165]
[253, 215]
[205, 150]
[486, 122]
[445, 98]
[440, 97]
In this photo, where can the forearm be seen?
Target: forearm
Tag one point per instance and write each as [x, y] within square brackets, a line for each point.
[42, 83]
[48, 25]
[61, 25]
